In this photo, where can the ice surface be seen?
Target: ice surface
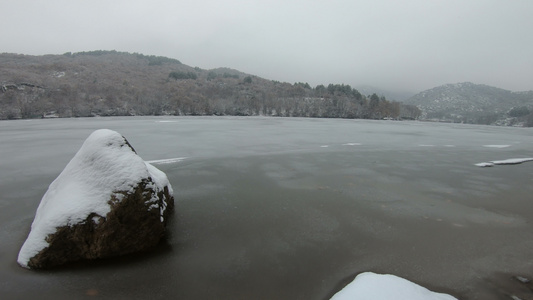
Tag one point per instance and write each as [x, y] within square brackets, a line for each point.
[385, 168]
[104, 165]
[377, 286]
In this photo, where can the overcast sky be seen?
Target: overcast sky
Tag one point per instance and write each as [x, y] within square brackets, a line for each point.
[408, 45]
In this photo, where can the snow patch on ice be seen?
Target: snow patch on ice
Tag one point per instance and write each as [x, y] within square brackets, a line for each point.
[324, 146]
[166, 160]
[377, 286]
[425, 145]
[510, 161]
[166, 121]
[496, 146]
[485, 164]
[352, 144]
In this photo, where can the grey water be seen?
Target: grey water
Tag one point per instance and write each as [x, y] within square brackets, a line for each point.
[289, 208]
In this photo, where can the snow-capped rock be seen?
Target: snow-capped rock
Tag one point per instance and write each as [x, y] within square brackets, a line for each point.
[106, 202]
[384, 287]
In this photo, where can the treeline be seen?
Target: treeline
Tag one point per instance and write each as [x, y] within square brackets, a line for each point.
[153, 60]
[297, 100]
[110, 83]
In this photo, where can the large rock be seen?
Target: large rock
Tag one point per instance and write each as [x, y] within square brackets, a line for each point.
[106, 202]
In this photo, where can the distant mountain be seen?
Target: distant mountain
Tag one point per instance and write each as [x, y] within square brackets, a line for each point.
[475, 103]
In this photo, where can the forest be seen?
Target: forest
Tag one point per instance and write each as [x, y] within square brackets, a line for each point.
[111, 83]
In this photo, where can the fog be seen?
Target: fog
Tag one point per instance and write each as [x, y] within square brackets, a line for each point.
[395, 45]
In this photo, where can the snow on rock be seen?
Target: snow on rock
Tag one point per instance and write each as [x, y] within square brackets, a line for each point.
[376, 286]
[106, 202]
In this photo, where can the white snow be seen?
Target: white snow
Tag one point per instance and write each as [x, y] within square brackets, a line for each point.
[103, 166]
[496, 146]
[166, 160]
[352, 144]
[510, 161]
[377, 286]
[485, 164]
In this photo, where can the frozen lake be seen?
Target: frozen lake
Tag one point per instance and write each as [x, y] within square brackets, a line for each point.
[290, 208]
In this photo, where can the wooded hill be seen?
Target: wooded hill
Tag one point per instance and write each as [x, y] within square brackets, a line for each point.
[111, 83]
[467, 102]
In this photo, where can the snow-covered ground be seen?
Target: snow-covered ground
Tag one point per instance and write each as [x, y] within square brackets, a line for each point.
[384, 287]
